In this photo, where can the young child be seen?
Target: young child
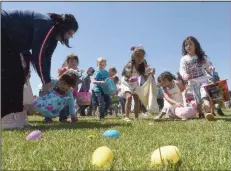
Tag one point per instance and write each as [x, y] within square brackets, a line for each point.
[160, 97]
[122, 99]
[129, 81]
[172, 92]
[71, 62]
[63, 86]
[86, 82]
[114, 97]
[112, 72]
[99, 98]
[192, 68]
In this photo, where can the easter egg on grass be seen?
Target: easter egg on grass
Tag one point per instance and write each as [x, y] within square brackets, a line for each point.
[111, 133]
[102, 156]
[34, 135]
[165, 155]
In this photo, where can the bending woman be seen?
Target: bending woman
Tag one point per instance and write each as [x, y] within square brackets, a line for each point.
[23, 31]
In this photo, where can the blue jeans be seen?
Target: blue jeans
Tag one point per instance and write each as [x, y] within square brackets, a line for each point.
[63, 114]
[122, 104]
[103, 101]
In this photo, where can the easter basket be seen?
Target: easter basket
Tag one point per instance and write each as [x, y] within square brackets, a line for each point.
[218, 91]
[83, 98]
[109, 87]
[50, 104]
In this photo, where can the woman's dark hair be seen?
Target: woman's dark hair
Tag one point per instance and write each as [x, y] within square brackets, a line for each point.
[63, 23]
[70, 78]
[167, 75]
[198, 50]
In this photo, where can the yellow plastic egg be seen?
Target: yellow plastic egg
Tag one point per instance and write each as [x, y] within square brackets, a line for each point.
[102, 156]
[165, 155]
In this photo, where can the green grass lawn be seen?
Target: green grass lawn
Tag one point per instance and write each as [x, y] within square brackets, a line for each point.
[204, 145]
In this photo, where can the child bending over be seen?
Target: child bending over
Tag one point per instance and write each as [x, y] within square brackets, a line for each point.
[172, 92]
[63, 86]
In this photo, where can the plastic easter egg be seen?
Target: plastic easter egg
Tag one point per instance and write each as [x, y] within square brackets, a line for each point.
[34, 135]
[102, 156]
[111, 133]
[165, 155]
[91, 136]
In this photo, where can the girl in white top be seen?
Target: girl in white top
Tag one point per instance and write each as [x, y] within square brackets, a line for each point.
[135, 67]
[193, 66]
[172, 92]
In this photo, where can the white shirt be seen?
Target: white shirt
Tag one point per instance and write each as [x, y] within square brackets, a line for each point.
[189, 65]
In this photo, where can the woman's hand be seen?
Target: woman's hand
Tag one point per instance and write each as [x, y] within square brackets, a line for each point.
[45, 88]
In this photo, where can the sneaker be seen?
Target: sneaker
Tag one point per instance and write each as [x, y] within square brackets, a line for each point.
[145, 114]
[127, 119]
[209, 116]
[48, 121]
[65, 121]
[101, 119]
[12, 121]
[167, 117]
[24, 119]
[159, 116]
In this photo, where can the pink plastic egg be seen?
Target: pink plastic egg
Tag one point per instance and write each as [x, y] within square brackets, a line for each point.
[34, 135]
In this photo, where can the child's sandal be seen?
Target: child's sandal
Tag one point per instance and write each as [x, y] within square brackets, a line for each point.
[209, 116]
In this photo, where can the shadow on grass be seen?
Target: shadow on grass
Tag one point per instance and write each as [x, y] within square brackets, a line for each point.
[169, 120]
[36, 125]
[224, 119]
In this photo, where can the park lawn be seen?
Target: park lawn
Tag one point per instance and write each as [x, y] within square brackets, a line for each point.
[204, 145]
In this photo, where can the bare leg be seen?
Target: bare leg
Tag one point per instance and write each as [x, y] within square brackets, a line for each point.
[199, 110]
[208, 109]
[137, 105]
[128, 104]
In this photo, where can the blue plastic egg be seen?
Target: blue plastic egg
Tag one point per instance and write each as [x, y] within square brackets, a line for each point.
[111, 133]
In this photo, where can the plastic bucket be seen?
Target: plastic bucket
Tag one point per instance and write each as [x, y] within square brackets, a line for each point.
[218, 91]
[225, 90]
